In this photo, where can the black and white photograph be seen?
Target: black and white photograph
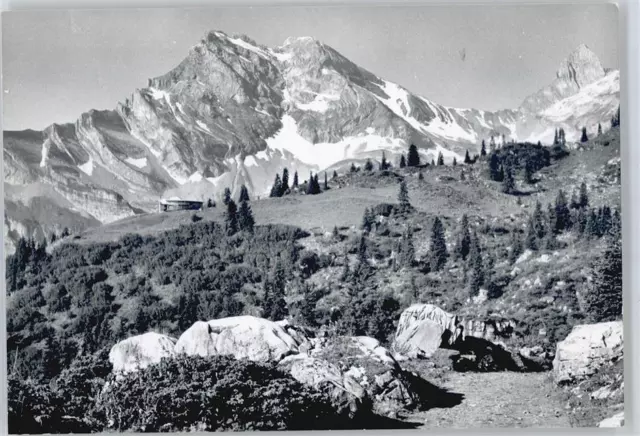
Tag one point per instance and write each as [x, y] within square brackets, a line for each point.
[313, 218]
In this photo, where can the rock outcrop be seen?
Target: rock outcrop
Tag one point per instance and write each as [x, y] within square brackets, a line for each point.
[140, 351]
[586, 349]
[614, 421]
[345, 392]
[358, 359]
[243, 337]
[423, 328]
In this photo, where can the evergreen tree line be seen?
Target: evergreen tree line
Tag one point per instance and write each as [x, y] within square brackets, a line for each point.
[477, 262]
[544, 225]
[281, 186]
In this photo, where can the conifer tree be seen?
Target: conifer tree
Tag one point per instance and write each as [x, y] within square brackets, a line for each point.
[483, 149]
[210, 203]
[574, 203]
[581, 221]
[462, 176]
[440, 159]
[463, 244]
[245, 217]
[494, 167]
[295, 180]
[276, 295]
[403, 162]
[467, 159]
[539, 221]
[433, 163]
[492, 144]
[563, 140]
[244, 194]
[362, 251]
[604, 298]
[516, 248]
[584, 137]
[65, 232]
[476, 275]
[276, 188]
[616, 223]
[508, 184]
[599, 129]
[528, 172]
[353, 168]
[592, 227]
[531, 239]
[420, 176]
[335, 175]
[285, 182]
[367, 220]
[562, 214]
[313, 187]
[335, 234]
[406, 252]
[413, 158]
[226, 196]
[384, 165]
[368, 166]
[583, 198]
[403, 197]
[455, 162]
[556, 139]
[231, 218]
[438, 246]
[605, 220]
[326, 183]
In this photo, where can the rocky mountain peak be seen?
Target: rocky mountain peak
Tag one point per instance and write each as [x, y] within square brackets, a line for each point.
[581, 67]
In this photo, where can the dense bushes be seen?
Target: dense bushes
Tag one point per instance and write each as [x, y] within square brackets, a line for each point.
[95, 294]
[214, 393]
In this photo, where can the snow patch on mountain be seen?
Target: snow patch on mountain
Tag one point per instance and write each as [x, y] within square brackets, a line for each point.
[250, 161]
[139, 163]
[195, 177]
[589, 99]
[45, 154]
[87, 167]
[203, 126]
[324, 155]
[398, 103]
[242, 43]
[320, 103]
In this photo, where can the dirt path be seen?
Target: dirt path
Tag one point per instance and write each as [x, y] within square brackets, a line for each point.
[500, 399]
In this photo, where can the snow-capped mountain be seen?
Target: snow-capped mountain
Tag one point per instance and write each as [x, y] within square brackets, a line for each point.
[235, 112]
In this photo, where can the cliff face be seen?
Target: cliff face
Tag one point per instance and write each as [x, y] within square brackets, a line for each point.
[234, 112]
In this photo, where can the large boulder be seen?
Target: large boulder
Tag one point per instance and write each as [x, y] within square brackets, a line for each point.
[372, 366]
[490, 329]
[243, 337]
[346, 394]
[423, 328]
[587, 348]
[140, 351]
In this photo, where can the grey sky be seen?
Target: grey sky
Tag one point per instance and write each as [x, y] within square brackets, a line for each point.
[57, 65]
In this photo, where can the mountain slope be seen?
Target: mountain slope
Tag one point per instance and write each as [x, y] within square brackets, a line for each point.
[234, 112]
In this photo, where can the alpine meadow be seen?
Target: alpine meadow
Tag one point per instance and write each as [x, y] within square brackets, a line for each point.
[276, 238]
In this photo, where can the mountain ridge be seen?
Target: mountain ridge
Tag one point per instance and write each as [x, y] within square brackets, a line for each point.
[235, 112]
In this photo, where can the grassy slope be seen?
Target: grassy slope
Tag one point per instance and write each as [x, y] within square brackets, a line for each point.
[542, 289]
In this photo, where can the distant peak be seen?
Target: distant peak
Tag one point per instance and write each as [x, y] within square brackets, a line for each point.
[299, 39]
[582, 67]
